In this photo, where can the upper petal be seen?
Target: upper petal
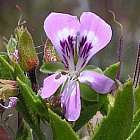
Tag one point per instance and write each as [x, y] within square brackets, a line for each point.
[51, 84]
[95, 32]
[99, 82]
[70, 101]
[61, 29]
[58, 25]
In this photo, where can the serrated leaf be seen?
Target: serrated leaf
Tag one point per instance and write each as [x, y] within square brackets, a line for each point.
[32, 109]
[61, 129]
[31, 119]
[118, 122]
[112, 70]
[51, 67]
[33, 101]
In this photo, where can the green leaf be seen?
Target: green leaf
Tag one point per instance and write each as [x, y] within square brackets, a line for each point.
[33, 101]
[6, 70]
[11, 45]
[93, 103]
[137, 99]
[103, 104]
[24, 132]
[61, 129]
[88, 110]
[51, 67]
[31, 118]
[87, 93]
[118, 122]
[94, 68]
[112, 70]
[20, 74]
[32, 108]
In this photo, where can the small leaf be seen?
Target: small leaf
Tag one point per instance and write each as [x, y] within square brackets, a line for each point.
[112, 70]
[61, 129]
[12, 51]
[11, 45]
[118, 122]
[51, 67]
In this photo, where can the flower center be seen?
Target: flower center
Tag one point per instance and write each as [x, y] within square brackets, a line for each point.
[75, 51]
[74, 74]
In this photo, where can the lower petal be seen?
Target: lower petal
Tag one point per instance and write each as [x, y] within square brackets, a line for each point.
[51, 84]
[99, 82]
[70, 101]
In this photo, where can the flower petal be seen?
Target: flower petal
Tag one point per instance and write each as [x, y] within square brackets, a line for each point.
[59, 27]
[51, 84]
[70, 101]
[96, 31]
[12, 103]
[99, 82]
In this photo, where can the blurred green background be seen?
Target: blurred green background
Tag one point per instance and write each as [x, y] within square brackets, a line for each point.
[35, 11]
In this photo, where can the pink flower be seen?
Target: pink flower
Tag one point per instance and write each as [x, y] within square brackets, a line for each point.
[76, 42]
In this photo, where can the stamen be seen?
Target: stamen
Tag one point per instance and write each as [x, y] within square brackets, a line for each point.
[77, 42]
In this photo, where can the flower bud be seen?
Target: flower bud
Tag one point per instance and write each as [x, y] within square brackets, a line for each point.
[28, 58]
[12, 49]
[49, 53]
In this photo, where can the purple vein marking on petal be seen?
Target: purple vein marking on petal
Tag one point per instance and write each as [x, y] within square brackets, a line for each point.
[67, 48]
[70, 101]
[97, 31]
